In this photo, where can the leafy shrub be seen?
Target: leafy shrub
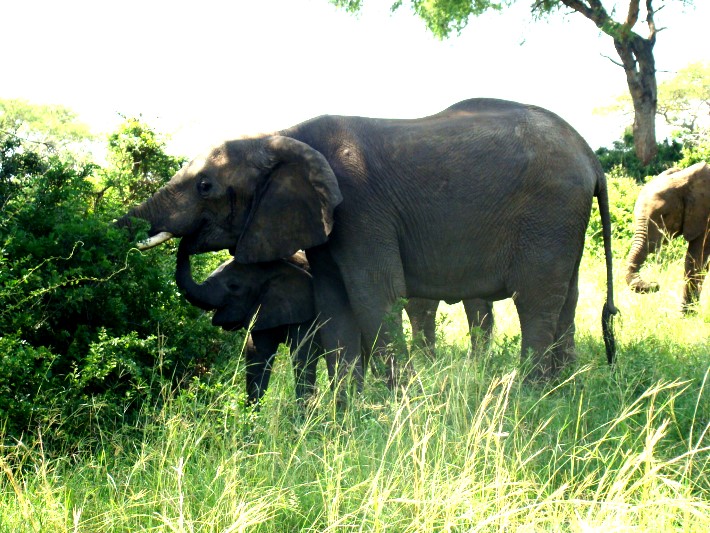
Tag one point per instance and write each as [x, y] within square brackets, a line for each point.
[623, 192]
[139, 164]
[696, 152]
[85, 318]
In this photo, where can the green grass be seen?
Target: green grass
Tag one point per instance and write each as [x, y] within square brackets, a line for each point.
[464, 447]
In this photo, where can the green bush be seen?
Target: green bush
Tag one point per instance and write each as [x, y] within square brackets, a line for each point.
[85, 318]
[697, 152]
[623, 192]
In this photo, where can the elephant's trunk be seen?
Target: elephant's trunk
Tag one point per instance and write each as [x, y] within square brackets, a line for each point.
[148, 211]
[637, 255]
[198, 294]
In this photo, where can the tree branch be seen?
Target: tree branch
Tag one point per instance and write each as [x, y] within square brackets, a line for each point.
[594, 11]
[584, 9]
[633, 16]
[649, 20]
[613, 61]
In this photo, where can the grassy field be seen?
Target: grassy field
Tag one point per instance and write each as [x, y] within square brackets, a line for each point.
[465, 447]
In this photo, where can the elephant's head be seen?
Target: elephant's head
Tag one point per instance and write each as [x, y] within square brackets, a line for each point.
[669, 205]
[267, 197]
[276, 292]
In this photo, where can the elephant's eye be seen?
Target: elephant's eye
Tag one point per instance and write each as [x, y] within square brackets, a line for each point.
[235, 288]
[204, 185]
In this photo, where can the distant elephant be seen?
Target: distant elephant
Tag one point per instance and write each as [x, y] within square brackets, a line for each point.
[676, 202]
[486, 199]
[278, 297]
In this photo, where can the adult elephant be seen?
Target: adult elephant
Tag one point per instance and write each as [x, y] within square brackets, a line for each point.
[676, 202]
[275, 301]
[486, 199]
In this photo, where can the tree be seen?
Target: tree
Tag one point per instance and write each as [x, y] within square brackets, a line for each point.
[53, 126]
[442, 17]
[683, 102]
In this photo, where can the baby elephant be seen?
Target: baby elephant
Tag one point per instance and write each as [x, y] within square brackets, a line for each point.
[280, 294]
[676, 202]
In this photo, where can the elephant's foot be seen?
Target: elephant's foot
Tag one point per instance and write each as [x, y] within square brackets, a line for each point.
[691, 297]
[538, 376]
[420, 344]
[549, 366]
[643, 287]
[564, 353]
[540, 368]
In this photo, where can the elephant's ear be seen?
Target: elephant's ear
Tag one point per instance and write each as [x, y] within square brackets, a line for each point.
[293, 206]
[287, 298]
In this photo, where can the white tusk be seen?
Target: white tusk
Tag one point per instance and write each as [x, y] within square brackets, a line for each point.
[155, 240]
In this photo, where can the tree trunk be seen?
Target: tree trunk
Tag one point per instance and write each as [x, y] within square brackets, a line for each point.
[636, 54]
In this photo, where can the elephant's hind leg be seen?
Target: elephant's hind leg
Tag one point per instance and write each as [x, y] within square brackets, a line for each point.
[563, 351]
[480, 324]
[539, 313]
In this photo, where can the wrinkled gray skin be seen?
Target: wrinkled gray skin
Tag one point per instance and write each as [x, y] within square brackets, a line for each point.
[487, 199]
[674, 203]
[278, 297]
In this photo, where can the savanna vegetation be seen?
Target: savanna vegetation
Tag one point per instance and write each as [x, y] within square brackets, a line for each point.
[122, 408]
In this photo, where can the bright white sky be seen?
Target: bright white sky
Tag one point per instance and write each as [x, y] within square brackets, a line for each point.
[206, 70]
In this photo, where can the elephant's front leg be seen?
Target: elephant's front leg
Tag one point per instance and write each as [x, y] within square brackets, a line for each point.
[422, 317]
[260, 353]
[697, 259]
[375, 295]
[305, 352]
[338, 329]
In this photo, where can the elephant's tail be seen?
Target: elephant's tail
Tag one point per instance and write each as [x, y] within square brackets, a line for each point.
[609, 309]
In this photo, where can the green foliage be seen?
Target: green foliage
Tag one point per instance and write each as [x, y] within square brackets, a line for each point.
[51, 125]
[140, 165]
[622, 154]
[696, 152]
[684, 100]
[442, 17]
[623, 192]
[85, 318]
